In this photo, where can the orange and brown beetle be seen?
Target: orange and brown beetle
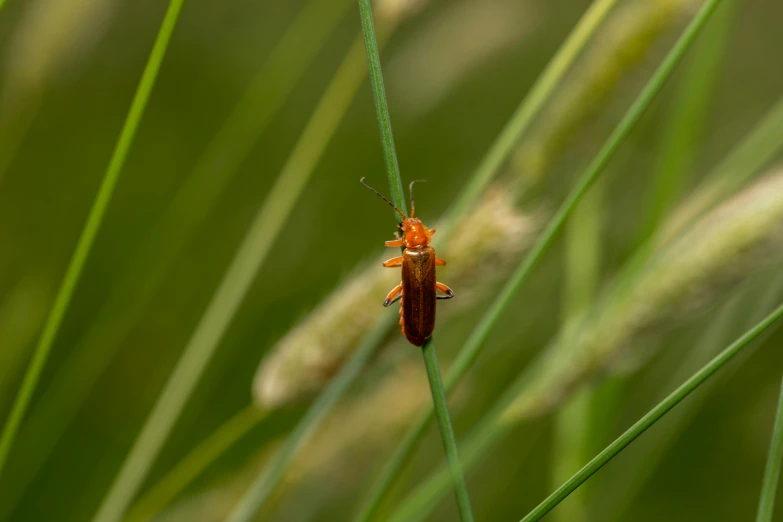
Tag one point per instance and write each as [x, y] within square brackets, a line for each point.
[417, 292]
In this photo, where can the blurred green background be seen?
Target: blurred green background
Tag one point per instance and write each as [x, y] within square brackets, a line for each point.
[455, 72]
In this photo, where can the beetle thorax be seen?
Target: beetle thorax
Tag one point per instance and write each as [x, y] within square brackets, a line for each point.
[415, 233]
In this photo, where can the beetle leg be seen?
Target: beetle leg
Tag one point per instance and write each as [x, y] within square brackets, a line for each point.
[391, 263]
[432, 231]
[396, 291]
[446, 290]
[439, 262]
[395, 243]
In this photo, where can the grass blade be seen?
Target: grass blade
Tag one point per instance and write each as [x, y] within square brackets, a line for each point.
[90, 230]
[446, 431]
[687, 119]
[395, 186]
[265, 484]
[769, 487]
[653, 416]
[529, 108]
[382, 107]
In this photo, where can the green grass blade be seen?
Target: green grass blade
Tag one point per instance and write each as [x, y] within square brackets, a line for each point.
[264, 485]
[653, 416]
[222, 158]
[687, 119]
[446, 431]
[473, 345]
[190, 467]
[574, 422]
[633, 474]
[489, 166]
[769, 486]
[382, 108]
[528, 109]
[90, 230]
[395, 186]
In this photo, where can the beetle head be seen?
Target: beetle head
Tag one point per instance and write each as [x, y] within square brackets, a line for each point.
[414, 232]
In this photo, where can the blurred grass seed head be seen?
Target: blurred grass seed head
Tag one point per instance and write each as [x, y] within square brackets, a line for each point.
[699, 267]
[304, 360]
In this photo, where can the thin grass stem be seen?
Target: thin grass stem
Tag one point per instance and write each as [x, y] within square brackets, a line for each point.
[499, 151]
[654, 415]
[265, 484]
[395, 187]
[190, 467]
[769, 486]
[687, 119]
[447, 431]
[90, 230]
[472, 347]
[635, 472]
[573, 422]
[382, 107]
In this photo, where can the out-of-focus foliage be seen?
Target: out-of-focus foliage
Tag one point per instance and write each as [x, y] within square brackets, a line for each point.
[455, 72]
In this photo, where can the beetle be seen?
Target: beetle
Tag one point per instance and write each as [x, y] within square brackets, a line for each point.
[417, 292]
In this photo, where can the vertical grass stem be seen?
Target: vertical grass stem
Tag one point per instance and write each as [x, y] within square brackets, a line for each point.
[769, 486]
[395, 186]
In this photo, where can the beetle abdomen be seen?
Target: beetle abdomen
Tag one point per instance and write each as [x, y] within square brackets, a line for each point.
[418, 290]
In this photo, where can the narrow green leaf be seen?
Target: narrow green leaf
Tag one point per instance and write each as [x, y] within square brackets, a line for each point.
[653, 416]
[446, 430]
[382, 108]
[90, 230]
[769, 487]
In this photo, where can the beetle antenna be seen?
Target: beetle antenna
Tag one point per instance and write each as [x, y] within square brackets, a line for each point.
[383, 198]
[410, 189]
